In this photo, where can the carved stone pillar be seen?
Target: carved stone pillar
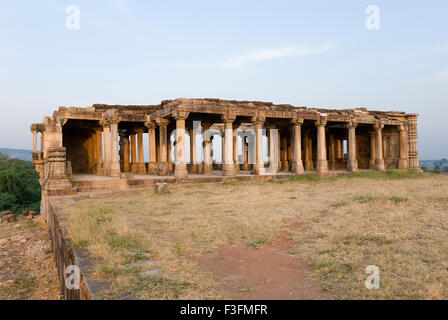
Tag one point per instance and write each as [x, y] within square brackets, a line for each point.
[170, 153]
[309, 165]
[413, 162]
[403, 162]
[114, 164]
[273, 149]
[322, 164]
[152, 165]
[141, 167]
[207, 145]
[163, 155]
[236, 165]
[193, 157]
[258, 127]
[179, 151]
[99, 152]
[125, 145]
[228, 164]
[107, 148]
[245, 154]
[352, 163]
[297, 164]
[34, 140]
[285, 163]
[379, 161]
[279, 150]
[134, 167]
[372, 149]
[332, 152]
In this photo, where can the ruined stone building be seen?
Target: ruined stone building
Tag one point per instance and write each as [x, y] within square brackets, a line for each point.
[104, 143]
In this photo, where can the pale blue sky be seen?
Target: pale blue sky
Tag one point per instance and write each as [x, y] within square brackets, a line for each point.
[313, 53]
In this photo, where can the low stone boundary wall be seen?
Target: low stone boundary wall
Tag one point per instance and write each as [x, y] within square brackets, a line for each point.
[65, 255]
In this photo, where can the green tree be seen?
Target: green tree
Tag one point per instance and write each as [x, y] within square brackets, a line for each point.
[19, 186]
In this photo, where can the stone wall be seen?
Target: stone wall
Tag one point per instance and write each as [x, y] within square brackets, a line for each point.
[64, 255]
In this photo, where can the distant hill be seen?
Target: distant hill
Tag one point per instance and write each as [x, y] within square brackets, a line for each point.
[17, 153]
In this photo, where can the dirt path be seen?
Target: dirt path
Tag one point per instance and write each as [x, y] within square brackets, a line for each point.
[27, 269]
[266, 273]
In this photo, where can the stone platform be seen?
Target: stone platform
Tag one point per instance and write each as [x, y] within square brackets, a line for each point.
[86, 183]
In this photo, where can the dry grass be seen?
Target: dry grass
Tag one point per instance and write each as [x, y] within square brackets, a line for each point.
[395, 220]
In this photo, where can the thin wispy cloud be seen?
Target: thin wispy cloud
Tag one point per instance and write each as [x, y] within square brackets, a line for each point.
[266, 55]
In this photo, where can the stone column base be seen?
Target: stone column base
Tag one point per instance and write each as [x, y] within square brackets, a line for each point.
[322, 166]
[180, 171]
[285, 165]
[115, 169]
[134, 167]
[332, 164]
[141, 168]
[99, 169]
[237, 168]
[352, 165]
[106, 169]
[297, 167]
[207, 169]
[403, 164]
[259, 169]
[193, 168]
[152, 169]
[246, 167]
[372, 164]
[309, 165]
[228, 170]
[163, 169]
[379, 165]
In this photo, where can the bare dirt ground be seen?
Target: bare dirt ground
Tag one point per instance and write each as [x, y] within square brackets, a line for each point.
[27, 268]
[269, 273]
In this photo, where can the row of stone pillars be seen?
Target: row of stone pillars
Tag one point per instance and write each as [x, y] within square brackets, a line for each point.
[159, 162]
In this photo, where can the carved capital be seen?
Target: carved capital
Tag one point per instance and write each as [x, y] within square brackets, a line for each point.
[352, 124]
[110, 117]
[37, 127]
[379, 125]
[402, 128]
[258, 120]
[228, 117]
[150, 124]
[297, 121]
[322, 122]
[180, 114]
[162, 122]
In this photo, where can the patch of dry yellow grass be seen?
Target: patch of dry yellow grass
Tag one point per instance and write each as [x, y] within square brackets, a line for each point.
[340, 225]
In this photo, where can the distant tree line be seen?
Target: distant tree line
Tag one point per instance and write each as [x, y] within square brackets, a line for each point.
[436, 166]
[19, 185]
